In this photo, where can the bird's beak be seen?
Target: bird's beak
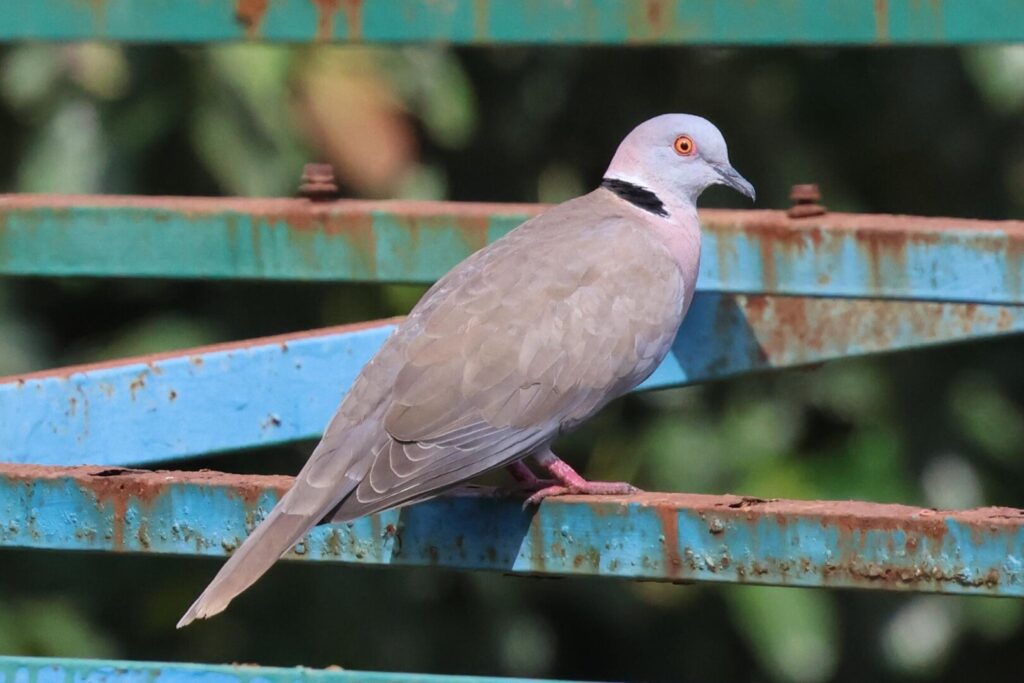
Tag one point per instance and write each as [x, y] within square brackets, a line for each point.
[731, 178]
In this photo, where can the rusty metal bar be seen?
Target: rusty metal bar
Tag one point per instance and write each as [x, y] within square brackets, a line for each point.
[280, 389]
[763, 252]
[652, 536]
[62, 670]
[496, 22]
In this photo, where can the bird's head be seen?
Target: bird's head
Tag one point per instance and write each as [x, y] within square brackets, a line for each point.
[676, 157]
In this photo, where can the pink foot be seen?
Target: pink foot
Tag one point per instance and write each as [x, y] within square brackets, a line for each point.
[569, 482]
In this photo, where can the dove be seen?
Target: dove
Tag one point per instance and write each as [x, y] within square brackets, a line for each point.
[519, 343]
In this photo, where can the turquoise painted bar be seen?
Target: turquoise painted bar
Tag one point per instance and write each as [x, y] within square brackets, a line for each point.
[765, 252]
[277, 390]
[61, 670]
[671, 537]
[497, 22]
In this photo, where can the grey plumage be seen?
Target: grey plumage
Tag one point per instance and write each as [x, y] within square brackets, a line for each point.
[520, 342]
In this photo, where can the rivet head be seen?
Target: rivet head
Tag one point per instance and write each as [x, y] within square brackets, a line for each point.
[806, 200]
[318, 183]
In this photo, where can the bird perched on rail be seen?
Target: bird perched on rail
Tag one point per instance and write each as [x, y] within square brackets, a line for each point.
[519, 343]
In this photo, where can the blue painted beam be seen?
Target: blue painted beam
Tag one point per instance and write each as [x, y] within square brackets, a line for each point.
[761, 252]
[61, 670]
[491, 22]
[281, 389]
[650, 536]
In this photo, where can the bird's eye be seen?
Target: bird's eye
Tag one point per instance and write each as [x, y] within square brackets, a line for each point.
[684, 146]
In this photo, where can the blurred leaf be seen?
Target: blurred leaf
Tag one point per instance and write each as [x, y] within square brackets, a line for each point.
[51, 628]
[794, 632]
[422, 182]
[869, 466]
[528, 646]
[21, 345]
[983, 412]
[68, 154]
[355, 118]
[242, 129]
[995, 619]
[557, 183]
[998, 72]
[100, 69]
[28, 75]
[163, 333]
[432, 79]
[919, 637]
[855, 389]
[951, 482]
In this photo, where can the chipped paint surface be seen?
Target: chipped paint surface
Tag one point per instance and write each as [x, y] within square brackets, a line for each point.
[61, 670]
[766, 252]
[280, 389]
[652, 536]
[608, 22]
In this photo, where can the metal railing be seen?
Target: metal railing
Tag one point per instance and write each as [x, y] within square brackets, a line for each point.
[775, 292]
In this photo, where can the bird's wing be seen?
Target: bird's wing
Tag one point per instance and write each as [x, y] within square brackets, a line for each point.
[570, 311]
[533, 333]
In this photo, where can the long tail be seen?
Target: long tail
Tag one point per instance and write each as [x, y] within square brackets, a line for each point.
[297, 512]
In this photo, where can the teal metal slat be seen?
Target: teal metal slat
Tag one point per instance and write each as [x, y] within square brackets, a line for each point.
[61, 670]
[270, 391]
[491, 22]
[650, 536]
[763, 252]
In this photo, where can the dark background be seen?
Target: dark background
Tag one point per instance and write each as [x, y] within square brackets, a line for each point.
[933, 132]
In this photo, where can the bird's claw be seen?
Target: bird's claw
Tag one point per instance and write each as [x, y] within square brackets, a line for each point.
[521, 488]
[585, 488]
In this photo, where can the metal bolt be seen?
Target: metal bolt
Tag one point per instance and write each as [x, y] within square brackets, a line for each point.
[318, 183]
[806, 201]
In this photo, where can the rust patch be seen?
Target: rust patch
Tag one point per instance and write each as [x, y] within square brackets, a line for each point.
[779, 241]
[353, 18]
[138, 383]
[357, 231]
[325, 11]
[481, 20]
[658, 17]
[111, 487]
[882, 20]
[249, 13]
[1015, 264]
[669, 523]
[883, 249]
[537, 561]
[922, 533]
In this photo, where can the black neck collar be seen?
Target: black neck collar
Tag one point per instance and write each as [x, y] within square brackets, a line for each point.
[636, 195]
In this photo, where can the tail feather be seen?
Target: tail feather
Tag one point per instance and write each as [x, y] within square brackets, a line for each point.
[272, 538]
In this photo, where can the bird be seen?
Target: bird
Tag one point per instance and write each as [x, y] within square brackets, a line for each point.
[518, 344]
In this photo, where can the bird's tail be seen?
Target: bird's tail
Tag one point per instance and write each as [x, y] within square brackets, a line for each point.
[272, 538]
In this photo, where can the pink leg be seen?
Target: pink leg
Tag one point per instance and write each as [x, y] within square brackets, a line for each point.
[570, 482]
[521, 473]
[526, 480]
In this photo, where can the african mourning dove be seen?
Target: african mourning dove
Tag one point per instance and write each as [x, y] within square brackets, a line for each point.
[519, 343]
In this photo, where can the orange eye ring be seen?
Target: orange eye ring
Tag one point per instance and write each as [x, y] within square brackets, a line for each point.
[684, 146]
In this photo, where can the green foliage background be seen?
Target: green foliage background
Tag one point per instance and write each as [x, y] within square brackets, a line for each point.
[934, 132]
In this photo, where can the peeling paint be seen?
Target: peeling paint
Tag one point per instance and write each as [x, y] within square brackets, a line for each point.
[677, 538]
[249, 14]
[325, 10]
[408, 241]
